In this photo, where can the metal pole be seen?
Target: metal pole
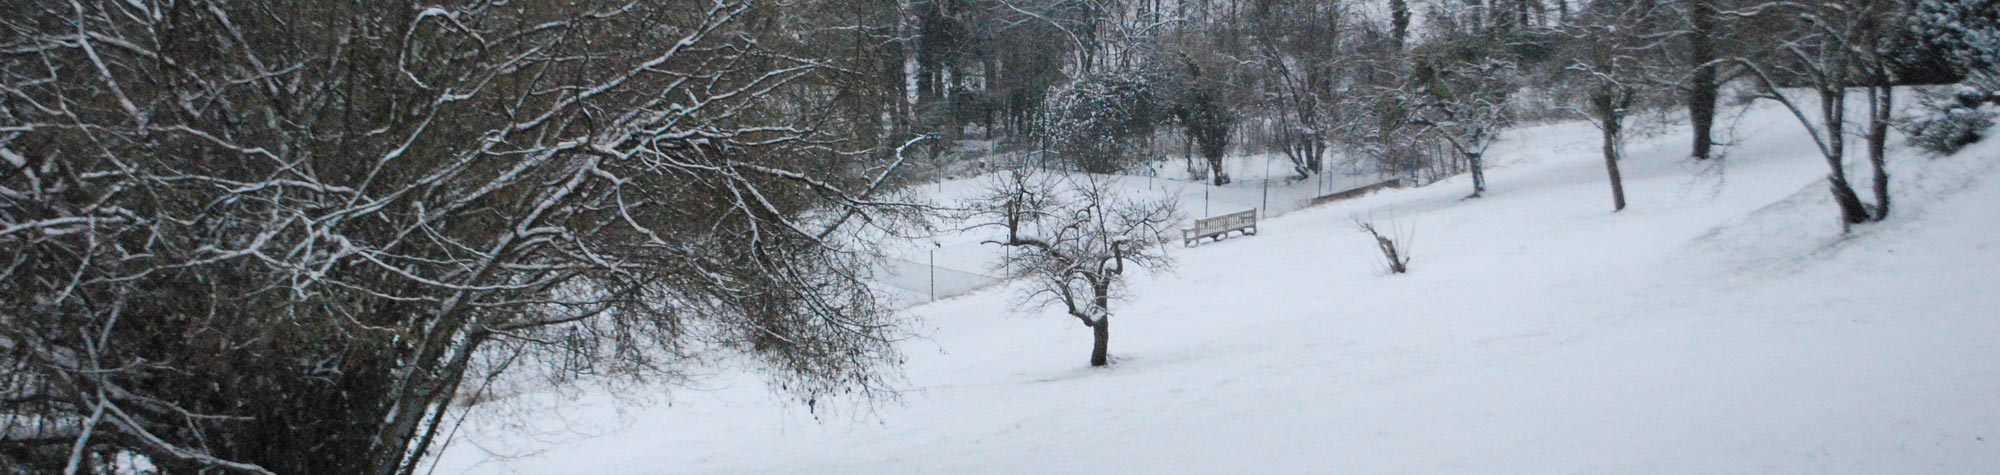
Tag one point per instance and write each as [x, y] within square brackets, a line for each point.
[934, 274]
[1267, 186]
[1042, 154]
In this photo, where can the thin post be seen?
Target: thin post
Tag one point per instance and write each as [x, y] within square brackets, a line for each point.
[1320, 189]
[1267, 186]
[933, 274]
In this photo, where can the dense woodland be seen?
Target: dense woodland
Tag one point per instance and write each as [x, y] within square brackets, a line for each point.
[227, 224]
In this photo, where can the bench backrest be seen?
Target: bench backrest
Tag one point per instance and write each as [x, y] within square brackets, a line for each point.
[1236, 220]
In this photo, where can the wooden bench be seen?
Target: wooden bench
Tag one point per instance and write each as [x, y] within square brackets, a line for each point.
[1220, 226]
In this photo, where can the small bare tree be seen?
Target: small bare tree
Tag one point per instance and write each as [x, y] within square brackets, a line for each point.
[1075, 235]
[1394, 245]
[1462, 94]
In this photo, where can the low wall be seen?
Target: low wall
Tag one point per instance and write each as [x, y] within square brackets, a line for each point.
[1355, 193]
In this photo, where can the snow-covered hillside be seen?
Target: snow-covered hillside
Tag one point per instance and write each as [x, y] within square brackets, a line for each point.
[1721, 324]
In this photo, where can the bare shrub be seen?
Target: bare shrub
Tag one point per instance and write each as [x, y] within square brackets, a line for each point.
[1394, 243]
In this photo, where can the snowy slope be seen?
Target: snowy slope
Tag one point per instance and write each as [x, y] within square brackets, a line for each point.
[1721, 324]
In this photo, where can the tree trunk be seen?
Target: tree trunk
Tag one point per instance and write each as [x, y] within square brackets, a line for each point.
[1880, 106]
[1399, 22]
[1833, 112]
[1702, 87]
[1215, 171]
[1612, 124]
[1187, 154]
[1478, 174]
[1521, 10]
[1851, 210]
[454, 374]
[906, 31]
[1485, 16]
[1302, 153]
[1315, 155]
[1100, 350]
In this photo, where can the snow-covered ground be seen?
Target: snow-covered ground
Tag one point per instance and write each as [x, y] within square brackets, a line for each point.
[1721, 324]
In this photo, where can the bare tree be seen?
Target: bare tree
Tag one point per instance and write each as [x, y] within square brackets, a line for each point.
[1872, 46]
[1615, 49]
[1837, 44]
[227, 224]
[1300, 44]
[1073, 237]
[1462, 96]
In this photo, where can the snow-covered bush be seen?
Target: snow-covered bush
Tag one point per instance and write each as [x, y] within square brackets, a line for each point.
[1949, 123]
[1969, 29]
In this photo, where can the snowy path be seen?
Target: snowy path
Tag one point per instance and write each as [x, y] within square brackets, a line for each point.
[1720, 325]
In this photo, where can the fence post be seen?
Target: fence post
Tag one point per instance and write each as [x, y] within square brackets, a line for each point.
[1267, 187]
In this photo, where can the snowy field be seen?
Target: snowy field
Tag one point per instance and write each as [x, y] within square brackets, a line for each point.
[1721, 324]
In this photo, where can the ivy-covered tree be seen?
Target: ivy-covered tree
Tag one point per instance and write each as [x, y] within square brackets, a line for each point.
[1093, 123]
[1200, 108]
